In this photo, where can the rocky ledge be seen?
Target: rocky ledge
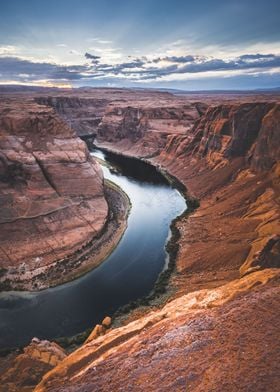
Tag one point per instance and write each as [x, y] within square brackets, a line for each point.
[22, 372]
[51, 192]
[221, 339]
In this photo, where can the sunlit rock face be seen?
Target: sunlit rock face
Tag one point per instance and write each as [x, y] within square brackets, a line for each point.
[51, 190]
[230, 161]
[22, 372]
[209, 340]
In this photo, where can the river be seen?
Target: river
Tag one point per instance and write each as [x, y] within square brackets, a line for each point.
[129, 273]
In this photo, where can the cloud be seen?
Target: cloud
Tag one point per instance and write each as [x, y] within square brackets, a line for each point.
[100, 41]
[14, 68]
[94, 59]
[7, 50]
[176, 59]
[137, 69]
[143, 68]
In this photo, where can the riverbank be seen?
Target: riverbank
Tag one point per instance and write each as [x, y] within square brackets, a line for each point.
[86, 258]
[204, 256]
[161, 291]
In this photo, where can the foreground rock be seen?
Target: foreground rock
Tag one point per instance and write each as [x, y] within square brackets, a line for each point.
[51, 192]
[210, 340]
[21, 373]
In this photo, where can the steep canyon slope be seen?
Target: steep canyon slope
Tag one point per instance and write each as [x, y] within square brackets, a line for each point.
[52, 198]
[218, 330]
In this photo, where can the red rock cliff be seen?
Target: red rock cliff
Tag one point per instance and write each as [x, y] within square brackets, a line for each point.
[51, 191]
[230, 161]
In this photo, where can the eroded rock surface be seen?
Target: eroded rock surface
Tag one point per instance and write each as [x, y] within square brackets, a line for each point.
[210, 340]
[221, 163]
[22, 372]
[51, 191]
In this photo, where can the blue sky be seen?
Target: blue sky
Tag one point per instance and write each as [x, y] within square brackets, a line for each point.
[202, 44]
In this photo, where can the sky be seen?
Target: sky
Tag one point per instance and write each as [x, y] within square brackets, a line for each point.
[182, 44]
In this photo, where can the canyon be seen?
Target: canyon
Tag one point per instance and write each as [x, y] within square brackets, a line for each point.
[217, 327]
[53, 200]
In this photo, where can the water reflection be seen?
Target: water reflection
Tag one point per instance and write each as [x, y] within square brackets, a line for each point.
[127, 274]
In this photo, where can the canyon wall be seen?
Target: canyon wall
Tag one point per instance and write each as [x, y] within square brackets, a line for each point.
[83, 114]
[52, 200]
[224, 149]
[230, 161]
[142, 129]
[134, 122]
[218, 328]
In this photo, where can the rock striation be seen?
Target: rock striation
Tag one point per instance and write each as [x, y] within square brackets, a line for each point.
[230, 161]
[83, 114]
[51, 192]
[143, 128]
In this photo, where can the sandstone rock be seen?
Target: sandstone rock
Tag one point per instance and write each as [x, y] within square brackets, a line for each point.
[51, 191]
[107, 322]
[97, 331]
[221, 340]
[267, 257]
[22, 372]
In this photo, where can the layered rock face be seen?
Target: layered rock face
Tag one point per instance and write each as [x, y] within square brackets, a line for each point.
[52, 200]
[230, 161]
[143, 129]
[83, 114]
[133, 122]
[21, 373]
[210, 340]
[229, 131]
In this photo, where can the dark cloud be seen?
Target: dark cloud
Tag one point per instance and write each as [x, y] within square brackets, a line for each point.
[14, 68]
[257, 56]
[137, 69]
[142, 69]
[175, 59]
[94, 59]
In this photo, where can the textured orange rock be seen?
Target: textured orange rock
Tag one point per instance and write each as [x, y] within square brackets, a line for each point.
[51, 190]
[207, 340]
[100, 330]
[221, 162]
[22, 372]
